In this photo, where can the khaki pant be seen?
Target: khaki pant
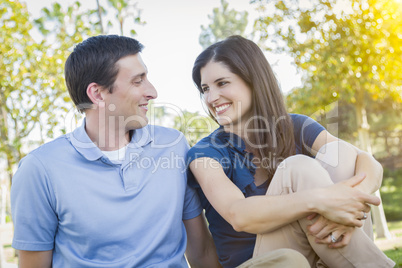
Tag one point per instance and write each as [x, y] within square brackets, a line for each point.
[280, 258]
[334, 162]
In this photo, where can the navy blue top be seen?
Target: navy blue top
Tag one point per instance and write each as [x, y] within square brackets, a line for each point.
[228, 149]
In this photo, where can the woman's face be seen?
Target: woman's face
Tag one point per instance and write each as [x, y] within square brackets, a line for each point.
[227, 96]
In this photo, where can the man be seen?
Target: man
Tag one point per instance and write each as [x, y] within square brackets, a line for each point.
[113, 192]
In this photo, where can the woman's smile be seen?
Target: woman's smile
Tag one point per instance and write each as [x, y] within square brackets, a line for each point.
[220, 109]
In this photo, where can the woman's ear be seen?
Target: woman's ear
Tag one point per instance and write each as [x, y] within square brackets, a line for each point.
[94, 92]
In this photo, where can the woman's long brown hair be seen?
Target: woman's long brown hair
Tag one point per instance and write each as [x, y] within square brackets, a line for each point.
[244, 58]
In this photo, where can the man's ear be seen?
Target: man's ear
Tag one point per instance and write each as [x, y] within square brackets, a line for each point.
[94, 92]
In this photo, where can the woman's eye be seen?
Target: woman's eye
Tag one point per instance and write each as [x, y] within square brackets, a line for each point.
[204, 89]
[222, 83]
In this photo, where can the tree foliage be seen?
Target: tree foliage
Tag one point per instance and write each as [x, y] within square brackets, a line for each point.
[127, 10]
[224, 22]
[353, 54]
[124, 11]
[348, 53]
[33, 95]
[27, 95]
[61, 29]
[194, 126]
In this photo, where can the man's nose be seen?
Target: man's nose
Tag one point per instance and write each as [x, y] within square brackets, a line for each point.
[151, 92]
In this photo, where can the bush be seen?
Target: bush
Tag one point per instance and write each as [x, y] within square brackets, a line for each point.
[391, 194]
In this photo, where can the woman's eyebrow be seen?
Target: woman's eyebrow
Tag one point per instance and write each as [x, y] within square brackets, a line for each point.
[217, 80]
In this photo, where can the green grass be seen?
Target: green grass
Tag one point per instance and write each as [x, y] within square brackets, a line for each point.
[396, 253]
[391, 194]
[395, 227]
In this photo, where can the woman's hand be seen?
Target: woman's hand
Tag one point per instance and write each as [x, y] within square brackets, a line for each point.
[344, 204]
[325, 231]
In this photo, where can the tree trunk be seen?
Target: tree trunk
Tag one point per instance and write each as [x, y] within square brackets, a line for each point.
[121, 22]
[1, 252]
[3, 209]
[100, 16]
[379, 220]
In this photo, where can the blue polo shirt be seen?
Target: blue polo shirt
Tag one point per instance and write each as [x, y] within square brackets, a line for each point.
[68, 197]
[228, 149]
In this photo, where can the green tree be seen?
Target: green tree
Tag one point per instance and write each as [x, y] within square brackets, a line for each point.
[224, 22]
[32, 89]
[61, 29]
[100, 15]
[194, 126]
[157, 114]
[31, 95]
[124, 11]
[27, 98]
[351, 53]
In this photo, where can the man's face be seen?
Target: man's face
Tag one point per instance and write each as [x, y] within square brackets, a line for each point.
[128, 102]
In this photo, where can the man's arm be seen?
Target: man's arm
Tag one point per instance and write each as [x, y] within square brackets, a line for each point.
[32, 200]
[201, 251]
[35, 259]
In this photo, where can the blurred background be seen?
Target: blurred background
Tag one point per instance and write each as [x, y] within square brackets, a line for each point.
[339, 62]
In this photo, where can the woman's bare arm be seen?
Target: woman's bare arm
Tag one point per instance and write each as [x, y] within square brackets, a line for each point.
[258, 214]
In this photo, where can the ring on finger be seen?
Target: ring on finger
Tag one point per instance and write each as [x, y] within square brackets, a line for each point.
[333, 239]
[364, 215]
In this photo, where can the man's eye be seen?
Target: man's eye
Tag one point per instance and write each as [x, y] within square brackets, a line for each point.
[137, 82]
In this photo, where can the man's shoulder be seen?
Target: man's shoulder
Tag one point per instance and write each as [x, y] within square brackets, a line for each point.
[167, 135]
[161, 130]
[46, 153]
[51, 147]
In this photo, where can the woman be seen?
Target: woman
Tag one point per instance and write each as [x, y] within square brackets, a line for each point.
[258, 182]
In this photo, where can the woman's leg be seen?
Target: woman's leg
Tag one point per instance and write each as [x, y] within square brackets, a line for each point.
[299, 173]
[339, 160]
[279, 258]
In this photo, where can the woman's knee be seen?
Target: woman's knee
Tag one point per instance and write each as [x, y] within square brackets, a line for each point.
[304, 172]
[300, 162]
[339, 159]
